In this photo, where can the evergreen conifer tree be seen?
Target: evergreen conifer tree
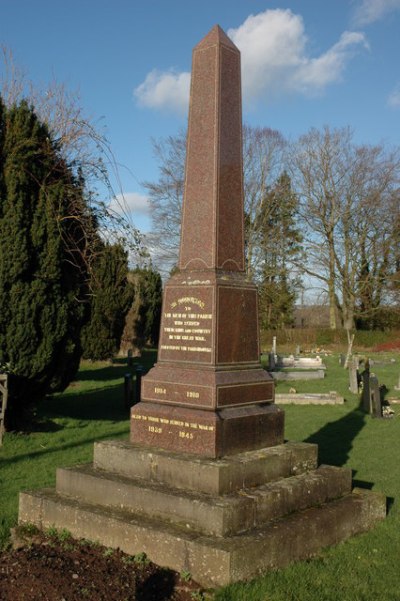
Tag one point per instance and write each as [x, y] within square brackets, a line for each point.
[42, 277]
[280, 241]
[112, 297]
[142, 324]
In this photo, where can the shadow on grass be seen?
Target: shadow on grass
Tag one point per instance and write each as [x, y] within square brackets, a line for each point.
[59, 447]
[98, 404]
[118, 368]
[335, 439]
[102, 374]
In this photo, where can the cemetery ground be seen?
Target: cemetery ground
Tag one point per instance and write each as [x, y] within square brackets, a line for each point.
[365, 568]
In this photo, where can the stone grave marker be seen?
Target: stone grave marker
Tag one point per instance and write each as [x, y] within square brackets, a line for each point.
[206, 483]
[366, 390]
[375, 393]
[353, 377]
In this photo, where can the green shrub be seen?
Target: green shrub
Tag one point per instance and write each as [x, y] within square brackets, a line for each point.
[42, 274]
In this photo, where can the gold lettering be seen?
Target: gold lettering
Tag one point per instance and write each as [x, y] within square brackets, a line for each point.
[159, 390]
[199, 349]
[155, 430]
[192, 395]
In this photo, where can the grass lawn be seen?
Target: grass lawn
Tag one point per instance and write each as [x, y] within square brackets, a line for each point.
[365, 568]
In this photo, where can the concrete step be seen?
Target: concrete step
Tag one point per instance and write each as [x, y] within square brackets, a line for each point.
[218, 515]
[213, 476]
[285, 496]
[212, 561]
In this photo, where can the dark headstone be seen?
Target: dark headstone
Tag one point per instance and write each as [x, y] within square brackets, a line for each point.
[366, 394]
[271, 362]
[375, 392]
[128, 387]
[138, 382]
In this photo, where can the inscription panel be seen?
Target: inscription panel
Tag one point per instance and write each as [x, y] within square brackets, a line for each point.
[237, 325]
[178, 429]
[187, 325]
[173, 392]
[245, 394]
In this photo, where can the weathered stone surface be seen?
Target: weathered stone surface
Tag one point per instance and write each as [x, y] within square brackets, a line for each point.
[331, 398]
[206, 433]
[221, 476]
[212, 223]
[212, 561]
[211, 514]
[317, 374]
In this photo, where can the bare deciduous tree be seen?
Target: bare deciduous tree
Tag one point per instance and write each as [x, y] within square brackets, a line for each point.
[345, 193]
[82, 145]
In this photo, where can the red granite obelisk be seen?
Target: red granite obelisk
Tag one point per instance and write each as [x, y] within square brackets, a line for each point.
[208, 393]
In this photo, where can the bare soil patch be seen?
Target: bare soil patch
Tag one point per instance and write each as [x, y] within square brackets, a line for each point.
[46, 568]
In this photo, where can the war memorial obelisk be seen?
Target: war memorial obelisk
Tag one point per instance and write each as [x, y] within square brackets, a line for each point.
[207, 483]
[208, 394]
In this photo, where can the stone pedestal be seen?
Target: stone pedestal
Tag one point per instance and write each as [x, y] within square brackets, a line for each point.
[222, 520]
[208, 394]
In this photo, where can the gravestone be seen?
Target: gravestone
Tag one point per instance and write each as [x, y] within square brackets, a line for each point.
[366, 389]
[375, 392]
[206, 483]
[271, 362]
[353, 377]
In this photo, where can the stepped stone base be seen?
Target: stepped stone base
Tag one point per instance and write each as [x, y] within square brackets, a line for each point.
[223, 520]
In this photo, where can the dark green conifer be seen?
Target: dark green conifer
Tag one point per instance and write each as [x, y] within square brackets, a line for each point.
[42, 275]
[112, 297]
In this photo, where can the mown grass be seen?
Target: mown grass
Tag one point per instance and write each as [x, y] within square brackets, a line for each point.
[365, 568]
[92, 408]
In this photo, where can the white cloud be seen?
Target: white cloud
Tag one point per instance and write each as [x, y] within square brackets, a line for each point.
[370, 11]
[130, 204]
[317, 73]
[168, 90]
[274, 55]
[273, 47]
[394, 98]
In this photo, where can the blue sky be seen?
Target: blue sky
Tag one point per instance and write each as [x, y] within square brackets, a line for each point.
[305, 63]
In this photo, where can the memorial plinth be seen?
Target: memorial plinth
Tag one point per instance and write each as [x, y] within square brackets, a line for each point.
[205, 484]
[208, 394]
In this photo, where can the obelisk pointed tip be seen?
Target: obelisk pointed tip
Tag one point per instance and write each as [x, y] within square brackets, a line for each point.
[216, 36]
